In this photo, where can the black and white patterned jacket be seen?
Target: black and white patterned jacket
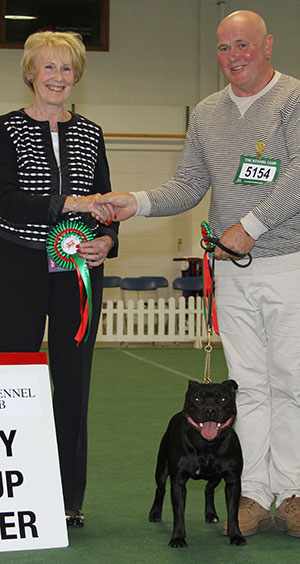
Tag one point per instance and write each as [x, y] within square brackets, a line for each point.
[33, 188]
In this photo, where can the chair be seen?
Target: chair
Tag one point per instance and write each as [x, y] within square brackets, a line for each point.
[112, 281]
[138, 284]
[161, 282]
[191, 285]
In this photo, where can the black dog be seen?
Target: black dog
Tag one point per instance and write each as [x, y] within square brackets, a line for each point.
[201, 443]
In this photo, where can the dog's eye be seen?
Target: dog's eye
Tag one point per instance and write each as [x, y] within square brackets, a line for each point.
[197, 398]
[223, 399]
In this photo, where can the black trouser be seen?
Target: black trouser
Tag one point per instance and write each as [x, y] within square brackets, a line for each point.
[28, 292]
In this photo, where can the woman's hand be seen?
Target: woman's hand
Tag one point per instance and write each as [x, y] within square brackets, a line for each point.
[105, 208]
[115, 206]
[96, 251]
[87, 204]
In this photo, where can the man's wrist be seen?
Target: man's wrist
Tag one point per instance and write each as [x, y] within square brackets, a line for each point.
[253, 226]
[143, 203]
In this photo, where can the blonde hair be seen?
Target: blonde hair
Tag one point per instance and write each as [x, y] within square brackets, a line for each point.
[65, 43]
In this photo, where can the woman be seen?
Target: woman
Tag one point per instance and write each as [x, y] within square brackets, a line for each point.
[52, 166]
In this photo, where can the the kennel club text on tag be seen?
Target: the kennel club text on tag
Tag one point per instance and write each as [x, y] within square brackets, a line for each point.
[30, 484]
[257, 171]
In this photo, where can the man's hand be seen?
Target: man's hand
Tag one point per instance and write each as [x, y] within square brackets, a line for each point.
[115, 206]
[236, 239]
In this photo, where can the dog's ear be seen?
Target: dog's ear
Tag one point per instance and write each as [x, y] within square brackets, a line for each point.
[192, 383]
[232, 384]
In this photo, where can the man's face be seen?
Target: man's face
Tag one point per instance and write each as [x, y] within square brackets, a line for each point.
[243, 55]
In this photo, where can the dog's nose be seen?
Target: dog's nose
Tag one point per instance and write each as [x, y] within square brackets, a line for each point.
[210, 412]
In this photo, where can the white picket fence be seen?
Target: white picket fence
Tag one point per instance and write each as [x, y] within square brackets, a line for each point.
[153, 321]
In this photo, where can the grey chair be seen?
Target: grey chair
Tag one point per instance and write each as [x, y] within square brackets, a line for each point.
[161, 281]
[190, 285]
[138, 285]
[112, 281]
[162, 284]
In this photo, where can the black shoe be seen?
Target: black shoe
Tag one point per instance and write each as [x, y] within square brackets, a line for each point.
[75, 520]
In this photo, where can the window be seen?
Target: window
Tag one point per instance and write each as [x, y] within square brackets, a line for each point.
[20, 18]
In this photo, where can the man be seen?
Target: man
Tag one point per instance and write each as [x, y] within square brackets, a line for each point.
[244, 141]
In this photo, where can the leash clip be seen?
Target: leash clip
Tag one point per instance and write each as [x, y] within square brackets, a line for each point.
[208, 348]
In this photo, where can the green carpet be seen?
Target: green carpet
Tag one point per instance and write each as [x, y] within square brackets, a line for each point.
[134, 393]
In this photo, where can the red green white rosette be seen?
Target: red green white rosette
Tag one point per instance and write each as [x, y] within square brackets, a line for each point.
[61, 246]
[63, 240]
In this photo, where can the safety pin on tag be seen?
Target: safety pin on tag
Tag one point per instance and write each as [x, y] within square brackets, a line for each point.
[260, 147]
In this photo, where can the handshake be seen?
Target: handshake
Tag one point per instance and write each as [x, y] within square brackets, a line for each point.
[114, 206]
[105, 208]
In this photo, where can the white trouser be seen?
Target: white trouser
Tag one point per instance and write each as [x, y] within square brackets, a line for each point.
[258, 312]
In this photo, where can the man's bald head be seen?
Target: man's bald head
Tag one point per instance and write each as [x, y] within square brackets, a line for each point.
[244, 52]
[244, 18]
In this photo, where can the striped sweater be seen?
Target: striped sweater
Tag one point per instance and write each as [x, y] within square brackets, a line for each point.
[33, 188]
[217, 136]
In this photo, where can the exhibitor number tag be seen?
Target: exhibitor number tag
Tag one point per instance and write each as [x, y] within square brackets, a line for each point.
[256, 171]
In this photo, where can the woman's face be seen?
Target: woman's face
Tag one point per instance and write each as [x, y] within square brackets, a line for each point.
[54, 78]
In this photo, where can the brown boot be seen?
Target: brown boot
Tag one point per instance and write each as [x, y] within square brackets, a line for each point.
[287, 516]
[252, 517]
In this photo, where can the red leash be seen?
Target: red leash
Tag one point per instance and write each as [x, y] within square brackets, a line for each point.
[209, 294]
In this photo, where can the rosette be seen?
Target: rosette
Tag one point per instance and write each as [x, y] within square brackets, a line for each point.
[61, 246]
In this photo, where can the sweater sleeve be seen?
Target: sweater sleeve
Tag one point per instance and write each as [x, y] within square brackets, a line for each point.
[189, 184]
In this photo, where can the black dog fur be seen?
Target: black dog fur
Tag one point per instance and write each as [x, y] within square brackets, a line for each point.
[200, 442]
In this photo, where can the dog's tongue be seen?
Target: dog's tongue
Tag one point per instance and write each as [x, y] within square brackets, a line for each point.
[209, 430]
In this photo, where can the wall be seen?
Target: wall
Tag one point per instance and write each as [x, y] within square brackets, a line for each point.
[162, 59]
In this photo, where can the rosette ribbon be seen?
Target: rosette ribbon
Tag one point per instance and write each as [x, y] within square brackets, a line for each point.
[61, 246]
[210, 311]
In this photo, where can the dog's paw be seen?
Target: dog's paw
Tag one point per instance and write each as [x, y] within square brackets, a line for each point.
[238, 540]
[155, 516]
[211, 518]
[178, 542]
